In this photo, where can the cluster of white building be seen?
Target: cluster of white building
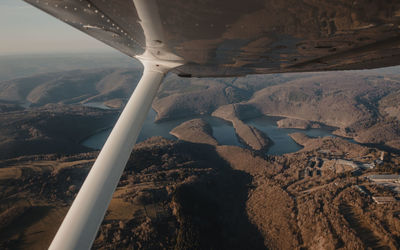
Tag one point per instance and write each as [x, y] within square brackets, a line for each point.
[381, 178]
[391, 181]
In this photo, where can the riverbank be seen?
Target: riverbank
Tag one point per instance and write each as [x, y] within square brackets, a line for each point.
[222, 131]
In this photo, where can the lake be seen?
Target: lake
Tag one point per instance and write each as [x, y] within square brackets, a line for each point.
[283, 143]
[222, 131]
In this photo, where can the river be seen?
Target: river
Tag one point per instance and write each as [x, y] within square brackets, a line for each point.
[283, 143]
[222, 131]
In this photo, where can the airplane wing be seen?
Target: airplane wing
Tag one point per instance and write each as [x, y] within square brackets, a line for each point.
[232, 38]
[204, 38]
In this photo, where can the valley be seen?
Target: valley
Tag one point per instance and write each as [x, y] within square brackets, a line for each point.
[192, 190]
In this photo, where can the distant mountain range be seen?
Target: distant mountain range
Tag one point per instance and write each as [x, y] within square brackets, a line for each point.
[77, 86]
[15, 66]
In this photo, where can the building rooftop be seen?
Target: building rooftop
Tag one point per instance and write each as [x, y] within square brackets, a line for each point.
[383, 200]
[385, 177]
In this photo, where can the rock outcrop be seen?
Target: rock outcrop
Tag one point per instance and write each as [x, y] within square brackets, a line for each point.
[249, 135]
[293, 123]
[196, 131]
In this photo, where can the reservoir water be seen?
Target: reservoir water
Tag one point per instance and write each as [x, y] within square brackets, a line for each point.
[283, 143]
[222, 131]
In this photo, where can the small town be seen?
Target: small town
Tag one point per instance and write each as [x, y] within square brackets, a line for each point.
[364, 168]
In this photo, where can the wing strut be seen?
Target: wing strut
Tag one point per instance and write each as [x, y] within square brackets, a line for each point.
[80, 226]
[83, 219]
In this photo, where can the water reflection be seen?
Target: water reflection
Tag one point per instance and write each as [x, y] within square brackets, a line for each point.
[222, 131]
[283, 143]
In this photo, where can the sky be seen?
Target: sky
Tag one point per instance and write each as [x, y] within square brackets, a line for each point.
[27, 30]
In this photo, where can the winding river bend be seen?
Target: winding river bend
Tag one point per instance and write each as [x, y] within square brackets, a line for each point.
[283, 143]
[222, 131]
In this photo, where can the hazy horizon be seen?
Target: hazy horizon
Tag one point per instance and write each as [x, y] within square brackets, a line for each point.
[28, 30]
